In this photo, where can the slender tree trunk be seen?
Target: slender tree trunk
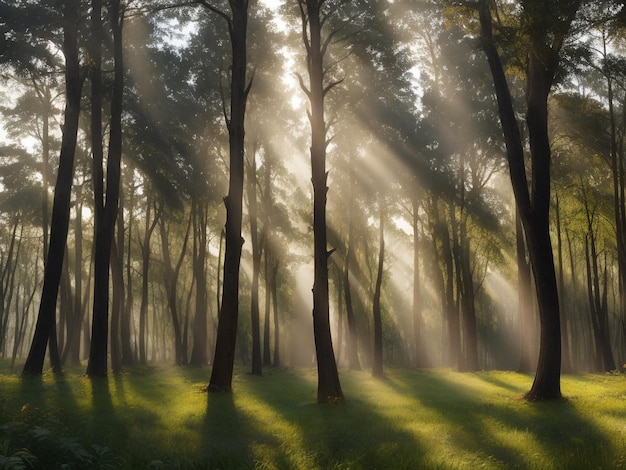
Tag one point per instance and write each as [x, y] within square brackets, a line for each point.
[267, 353]
[524, 299]
[145, 270]
[257, 362]
[274, 284]
[420, 359]
[565, 355]
[61, 204]
[71, 352]
[117, 305]
[199, 355]
[125, 326]
[170, 277]
[353, 335]
[470, 334]
[106, 210]
[328, 385]
[377, 367]
[222, 372]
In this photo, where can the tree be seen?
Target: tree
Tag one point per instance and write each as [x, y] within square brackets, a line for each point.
[106, 205]
[222, 372]
[313, 19]
[547, 28]
[61, 204]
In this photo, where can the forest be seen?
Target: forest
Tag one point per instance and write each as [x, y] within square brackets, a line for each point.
[346, 185]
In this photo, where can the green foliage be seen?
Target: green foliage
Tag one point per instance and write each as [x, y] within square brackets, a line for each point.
[34, 439]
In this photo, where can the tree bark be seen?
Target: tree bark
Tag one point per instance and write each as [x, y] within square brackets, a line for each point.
[170, 278]
[257, 362]
[105, 209]
[199, 355]
[377, 367]
[420, 358]
[61, 204]
[222, 372]
[533, 206]
[524, 299]
[145, 270]
[328, 385]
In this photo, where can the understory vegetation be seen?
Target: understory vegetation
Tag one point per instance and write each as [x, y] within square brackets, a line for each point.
[162, 418]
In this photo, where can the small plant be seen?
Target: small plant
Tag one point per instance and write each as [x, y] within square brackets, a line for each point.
[38, 440]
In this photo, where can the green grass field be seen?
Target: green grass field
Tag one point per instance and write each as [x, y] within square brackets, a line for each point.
[161, 418]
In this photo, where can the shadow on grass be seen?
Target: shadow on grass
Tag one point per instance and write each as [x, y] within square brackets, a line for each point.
[106, 425]
[292, 431]
[223, 433]
[509, 430]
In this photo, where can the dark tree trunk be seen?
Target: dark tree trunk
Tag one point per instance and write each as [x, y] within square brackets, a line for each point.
[353, 335]
[328, 385]
[565, 355]
[274, 284]
[170, 278]
[257, 362]
[526, 320]
[444, 264]
[470, 335]
[117, 305]
[145, 269]
[597, 296]
[105, 210]
[377, 366]
[222, 372]
[420, 358]
[533, 206]
[267, 353]
[199, 355]
[125, 326]
[71, 352]
[61, 204]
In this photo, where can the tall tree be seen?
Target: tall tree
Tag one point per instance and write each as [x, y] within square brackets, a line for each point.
[313, 19]
[547, 26]
[222, 372]
[61, 203]
[106, 204]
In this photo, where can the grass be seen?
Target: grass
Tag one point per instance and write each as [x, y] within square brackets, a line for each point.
[161, 418]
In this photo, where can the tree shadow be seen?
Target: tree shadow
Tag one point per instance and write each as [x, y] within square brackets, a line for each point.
[510, 431]
[106, 425]
[298, 433]
[225, 436]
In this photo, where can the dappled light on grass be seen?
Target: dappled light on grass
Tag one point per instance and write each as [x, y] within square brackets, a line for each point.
[434, 419]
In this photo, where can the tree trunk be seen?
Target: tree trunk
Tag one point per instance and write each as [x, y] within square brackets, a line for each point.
[125, 326]
[145, 270]
[170, 278]
[420, 358]
[222, 372]
[61, 204]
[377, 367]
[524, 299]
[328, 385]
[267, 353]
[105, 209]
[199, 356]
[117, 305]
[274, 285]
[470, 335]
[533, 212]
[257, 362]
[353, 335]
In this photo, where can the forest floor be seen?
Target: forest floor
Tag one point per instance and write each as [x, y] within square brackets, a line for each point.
[161, 418]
